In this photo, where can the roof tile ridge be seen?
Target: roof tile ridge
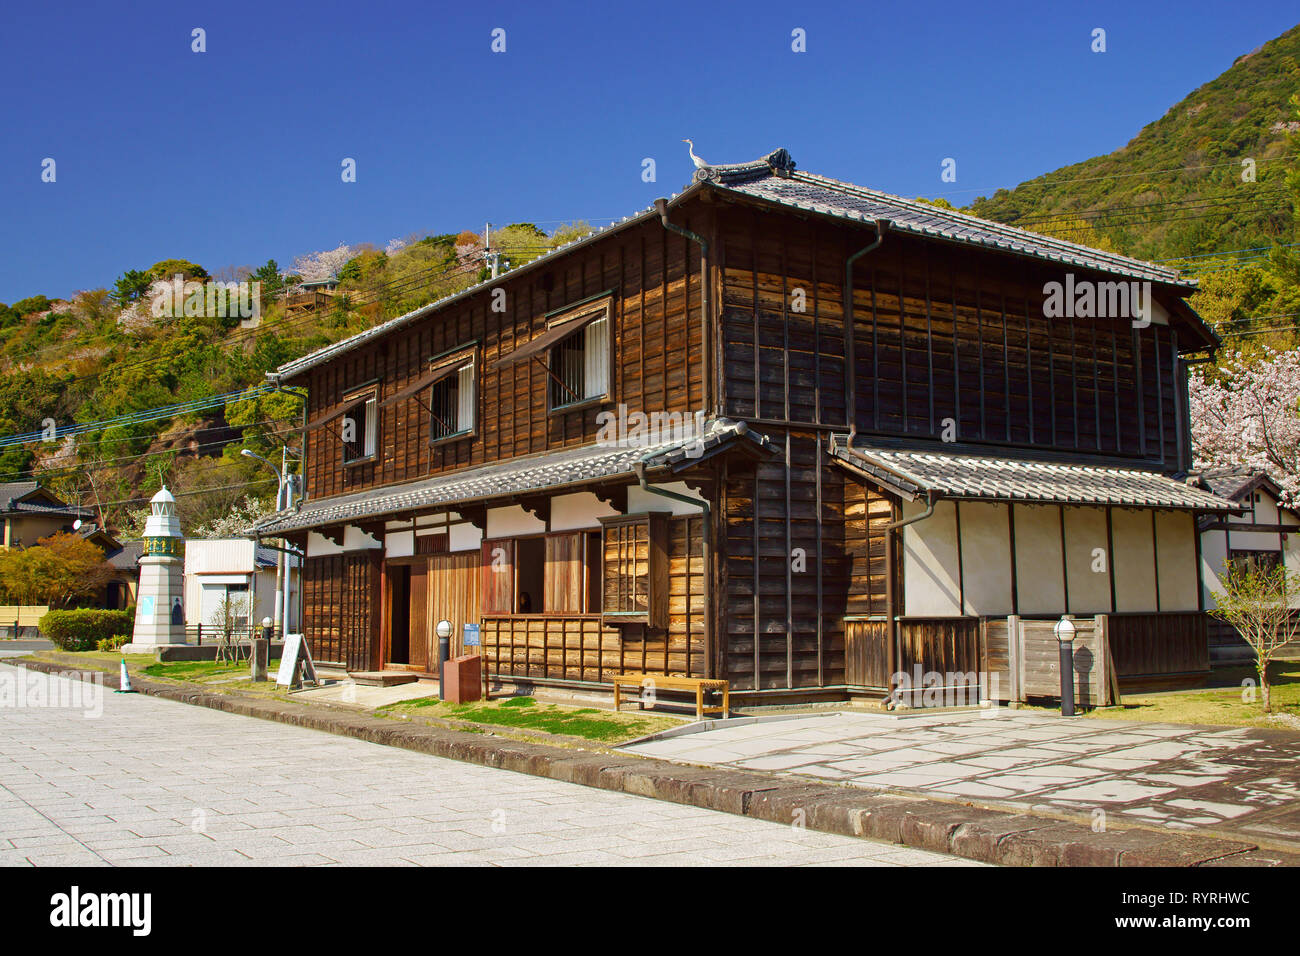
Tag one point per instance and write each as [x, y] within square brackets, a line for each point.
[1001, 227]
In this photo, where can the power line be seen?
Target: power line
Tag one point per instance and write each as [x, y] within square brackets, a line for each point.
[137, 418]
[1039, 182]
[107, 464]
[196, 491]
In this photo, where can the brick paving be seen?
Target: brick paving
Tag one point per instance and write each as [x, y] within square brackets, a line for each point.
[156, 782]
[1240, 781]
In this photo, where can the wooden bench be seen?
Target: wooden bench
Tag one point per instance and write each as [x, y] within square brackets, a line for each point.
[659, 682]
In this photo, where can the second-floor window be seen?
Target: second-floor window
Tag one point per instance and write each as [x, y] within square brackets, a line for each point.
[580, 365]
[361, 428]
[452, 402]
[575, 351]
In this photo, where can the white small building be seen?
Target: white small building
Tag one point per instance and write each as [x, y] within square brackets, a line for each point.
[218, 569]
[1267, 534]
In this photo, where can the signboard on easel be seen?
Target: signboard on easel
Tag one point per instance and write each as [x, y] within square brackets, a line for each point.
[294, 656]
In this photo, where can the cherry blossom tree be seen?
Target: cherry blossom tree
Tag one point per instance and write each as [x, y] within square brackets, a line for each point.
[1247, 417]
[322, 265]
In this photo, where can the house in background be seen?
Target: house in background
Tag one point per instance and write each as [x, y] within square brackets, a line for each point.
[1266, 535]
[124, 557]
[782, 430]
[31, 512]
[218, 569]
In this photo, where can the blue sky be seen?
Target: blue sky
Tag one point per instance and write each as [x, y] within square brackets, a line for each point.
[232, 156]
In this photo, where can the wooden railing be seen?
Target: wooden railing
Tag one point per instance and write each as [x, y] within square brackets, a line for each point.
[943, 644]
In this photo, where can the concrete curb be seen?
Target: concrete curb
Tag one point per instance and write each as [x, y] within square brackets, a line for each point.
[1001, 837]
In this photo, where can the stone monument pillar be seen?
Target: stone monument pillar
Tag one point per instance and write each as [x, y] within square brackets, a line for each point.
[160, 606]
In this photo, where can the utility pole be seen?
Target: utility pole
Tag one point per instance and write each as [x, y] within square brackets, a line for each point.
[282, 558]
[490, 255]
[283, 500]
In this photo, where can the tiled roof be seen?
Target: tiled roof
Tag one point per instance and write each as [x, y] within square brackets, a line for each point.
[917, 471]
[1229, 486]
[15, 489]
[831, 197]
[570, 468]
[127, 558]
[36, 507]
[774, 179]
[12, 494]
[1236, 484]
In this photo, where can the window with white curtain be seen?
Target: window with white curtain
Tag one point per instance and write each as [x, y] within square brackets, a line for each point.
[452, 403]
[580, 365]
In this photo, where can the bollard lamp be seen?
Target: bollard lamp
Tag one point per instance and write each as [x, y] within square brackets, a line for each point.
[1064, 631]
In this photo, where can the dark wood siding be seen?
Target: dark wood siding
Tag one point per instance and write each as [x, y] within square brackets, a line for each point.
[340, 595]
[943, 334]
[655, 276]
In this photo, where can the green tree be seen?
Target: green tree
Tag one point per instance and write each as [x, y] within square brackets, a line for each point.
[1257, 601]
[130, 286]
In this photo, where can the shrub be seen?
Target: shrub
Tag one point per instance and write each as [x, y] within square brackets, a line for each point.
[112, 643]
[83, 628]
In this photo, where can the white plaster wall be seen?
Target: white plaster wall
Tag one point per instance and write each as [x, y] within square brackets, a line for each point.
[399, 544]
[1214, 559]
[1085, 533]
[513, 520]
[579, 511]
[464, 537]
[354, 539]
[986, 557]
[1134, 560]
[1254, 541]
[1040, 580]
[1175, 538]
[1266, 510]
[930, 580]
[639, 502]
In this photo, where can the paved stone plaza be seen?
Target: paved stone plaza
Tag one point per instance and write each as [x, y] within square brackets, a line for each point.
[1237, 779]
[157, 782]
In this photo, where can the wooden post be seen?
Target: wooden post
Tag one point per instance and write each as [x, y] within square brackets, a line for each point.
[1015, 657]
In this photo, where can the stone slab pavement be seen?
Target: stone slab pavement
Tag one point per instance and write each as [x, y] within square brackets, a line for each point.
[155, 782]
[1241, 783]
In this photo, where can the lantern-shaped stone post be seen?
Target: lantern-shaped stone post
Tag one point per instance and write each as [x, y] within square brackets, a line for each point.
[160, 605]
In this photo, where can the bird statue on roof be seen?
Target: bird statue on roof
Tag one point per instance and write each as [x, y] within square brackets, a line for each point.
[699, 163]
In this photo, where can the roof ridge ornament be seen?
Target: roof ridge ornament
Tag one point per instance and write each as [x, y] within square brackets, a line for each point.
[780, 161]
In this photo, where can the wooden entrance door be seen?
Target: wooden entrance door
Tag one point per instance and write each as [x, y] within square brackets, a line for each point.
[424, 591]
[454, 595]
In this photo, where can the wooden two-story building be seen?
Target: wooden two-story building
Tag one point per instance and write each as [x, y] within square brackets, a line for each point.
[779, 429]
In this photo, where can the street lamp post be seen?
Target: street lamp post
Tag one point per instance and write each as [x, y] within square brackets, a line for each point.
[281, 561]
[1064, 631]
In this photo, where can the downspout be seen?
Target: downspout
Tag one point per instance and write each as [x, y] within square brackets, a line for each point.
[931, 499]
[707, 523]
[850, 330]
[705, 299]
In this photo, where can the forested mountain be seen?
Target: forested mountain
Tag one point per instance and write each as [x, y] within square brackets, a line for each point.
[1206, 177]
[103, 362]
